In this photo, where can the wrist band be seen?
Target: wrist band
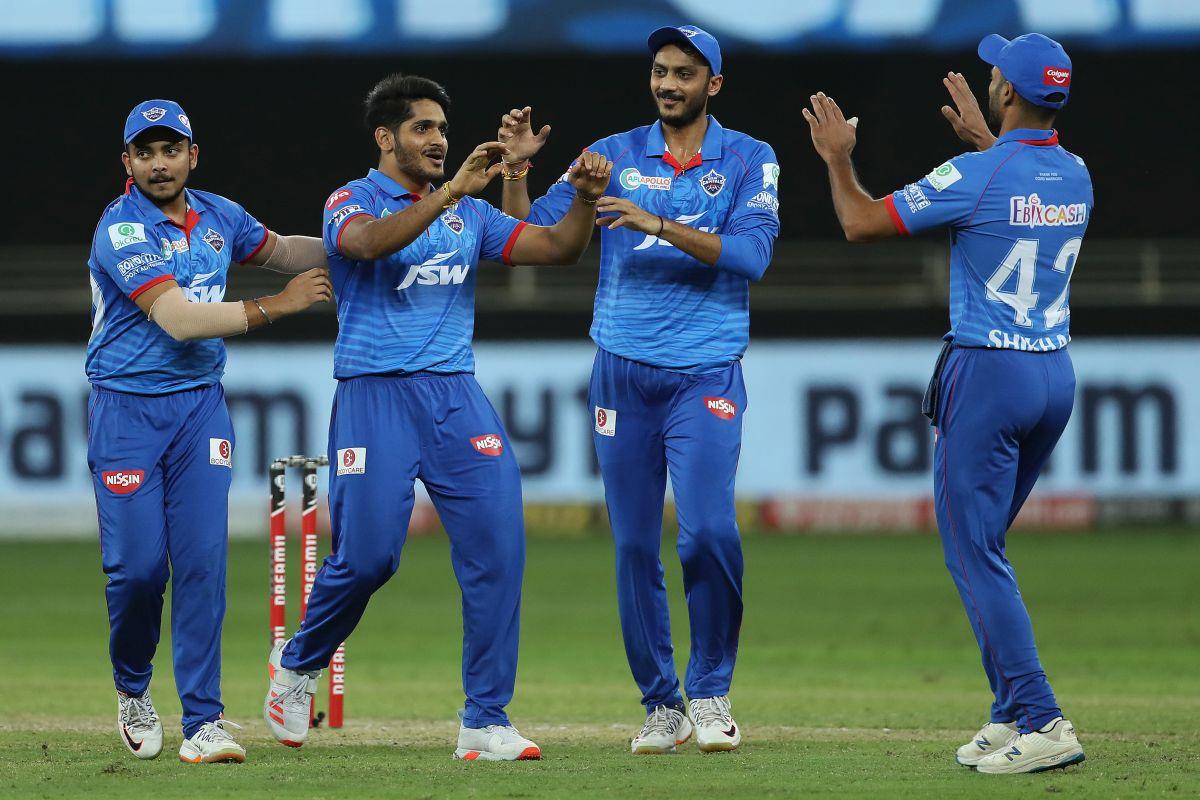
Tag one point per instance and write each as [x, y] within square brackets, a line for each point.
[586, 201]
[515, 176]
[661, 224]
[263, 311]
[450, 198]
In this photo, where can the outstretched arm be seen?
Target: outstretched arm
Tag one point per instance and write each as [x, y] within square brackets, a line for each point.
[566, 240]
[863, 218]
[516, 133]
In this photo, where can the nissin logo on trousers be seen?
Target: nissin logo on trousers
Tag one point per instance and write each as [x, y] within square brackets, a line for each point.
[720, 407]
[435, 272]
[489, 444]
[123, 481]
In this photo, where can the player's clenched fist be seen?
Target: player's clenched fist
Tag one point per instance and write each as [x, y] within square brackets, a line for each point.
[306, 289]
[832, 134]
[590, 175]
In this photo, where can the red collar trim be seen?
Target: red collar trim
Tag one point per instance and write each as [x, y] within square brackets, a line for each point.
[1051, 142]
[189, 222]
[669, 159]
[128, 183]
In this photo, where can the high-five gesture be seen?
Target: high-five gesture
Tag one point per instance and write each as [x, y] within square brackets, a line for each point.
[478, 170]
[590, 175]
[967, 121]
[516, 131]
[833, 135]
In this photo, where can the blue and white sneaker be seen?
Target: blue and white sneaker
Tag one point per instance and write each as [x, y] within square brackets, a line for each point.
[1053, 747]
[991, 737]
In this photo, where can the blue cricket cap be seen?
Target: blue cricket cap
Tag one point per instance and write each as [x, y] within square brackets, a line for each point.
[1036, 66]
[157, 114]
[702, 40]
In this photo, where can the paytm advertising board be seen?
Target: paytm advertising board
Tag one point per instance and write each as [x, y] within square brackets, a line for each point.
[834, 420]
[276, 28]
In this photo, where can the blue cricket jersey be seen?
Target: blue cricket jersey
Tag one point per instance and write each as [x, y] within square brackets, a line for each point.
[136, 246]
[1017, 213]
[654, 303]
[413, 310]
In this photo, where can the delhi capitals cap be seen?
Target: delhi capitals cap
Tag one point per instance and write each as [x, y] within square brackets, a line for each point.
[702, 40]
[1036, 65]
[157, 114]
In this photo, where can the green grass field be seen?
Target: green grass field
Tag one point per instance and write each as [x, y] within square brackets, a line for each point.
[857, 677]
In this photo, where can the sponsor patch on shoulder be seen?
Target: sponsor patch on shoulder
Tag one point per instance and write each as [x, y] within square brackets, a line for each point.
[220, 453]
[606, 421]
[123, 234]
[945, 175]
[337, 198]
[352, 461]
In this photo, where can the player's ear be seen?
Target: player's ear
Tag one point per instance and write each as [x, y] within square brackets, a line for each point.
[715, 82]
[194, 151]
[385, 139]
[125, 161]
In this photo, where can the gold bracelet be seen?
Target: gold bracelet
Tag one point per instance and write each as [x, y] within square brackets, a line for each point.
[516, 176]
[266, 316]
[450, 198]
[586, 201]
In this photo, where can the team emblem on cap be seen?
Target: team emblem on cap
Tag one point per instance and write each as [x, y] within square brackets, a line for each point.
[154, 114]
[688, 32]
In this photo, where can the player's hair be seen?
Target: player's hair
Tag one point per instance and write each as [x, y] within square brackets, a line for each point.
[1044, 116]
[689, 49]
[389, 103]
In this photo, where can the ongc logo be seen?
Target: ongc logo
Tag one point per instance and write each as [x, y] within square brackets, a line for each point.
[123, 481]
[489, 444]
[720, 407]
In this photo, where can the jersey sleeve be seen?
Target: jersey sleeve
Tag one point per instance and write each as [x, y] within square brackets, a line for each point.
[554, 204]
[499, 232]
[946, 197]
[748, 236]
[248, 234]
[345, 204]
[129, 256]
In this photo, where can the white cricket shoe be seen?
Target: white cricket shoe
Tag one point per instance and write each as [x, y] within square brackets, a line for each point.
[715, 728]
[495, 743]
[212, 744]
[666, 728]
[288, 705]
[991, 737]
[138, 724]
[1053, 747]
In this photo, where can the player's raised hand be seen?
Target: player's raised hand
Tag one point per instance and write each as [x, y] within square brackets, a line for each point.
[590, 175]
[833, 135]
[306, 289]
[516, 131]
[478, 170]
[626, 215]
[967, 120]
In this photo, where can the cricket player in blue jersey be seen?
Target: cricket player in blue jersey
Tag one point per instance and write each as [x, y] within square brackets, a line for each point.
[1003, 388]
[691, 219]
[404, 256]
[160, 441]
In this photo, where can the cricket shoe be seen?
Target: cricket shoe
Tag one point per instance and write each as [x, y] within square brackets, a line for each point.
[991, 737]
[138, 724]
[1053, 747]
[715, 728]
[666, 728]
[495, 743]
[288, 705]
[212, 744]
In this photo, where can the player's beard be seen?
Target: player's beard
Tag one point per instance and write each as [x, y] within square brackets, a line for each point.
[177, 186]
[994, 116]
[685, 114]
[412, 162]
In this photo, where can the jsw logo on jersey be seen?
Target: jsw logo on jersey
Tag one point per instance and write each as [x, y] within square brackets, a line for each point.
[435, 272]
[489, 444]
[686, 219]
[720, 407]
[125, 481]
[196, 292]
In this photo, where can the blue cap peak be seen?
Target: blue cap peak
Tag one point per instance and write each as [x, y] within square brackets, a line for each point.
[698, 38]
[1037, 66]
[157, 114]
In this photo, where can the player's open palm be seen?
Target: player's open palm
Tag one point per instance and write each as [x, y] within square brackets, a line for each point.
[516, 131]
[306, 289]
[478, 170]
[833, 135]
[967, 120]
[590, 175]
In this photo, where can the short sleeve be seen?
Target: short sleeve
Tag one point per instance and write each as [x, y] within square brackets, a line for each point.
[947, 196]
[498, 233]
[129, 256]
[345, 204]
[248, 234]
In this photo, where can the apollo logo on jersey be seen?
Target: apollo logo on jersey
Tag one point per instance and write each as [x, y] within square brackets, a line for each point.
[490, 444]
[606, 421]
[352, 461]
[126, 481]
[1032, 213]
[1057, 76]
[720, 407]
[631, 179]
[220, 453]
[435, 272]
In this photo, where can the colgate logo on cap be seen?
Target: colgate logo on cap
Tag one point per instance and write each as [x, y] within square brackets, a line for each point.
[123, 481]
[1056, 76]
[489, 444]
[720, 407]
